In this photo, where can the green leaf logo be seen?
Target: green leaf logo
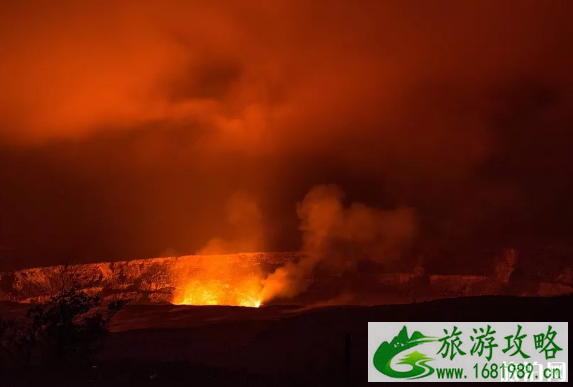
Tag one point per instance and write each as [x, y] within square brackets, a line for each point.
[387, 351]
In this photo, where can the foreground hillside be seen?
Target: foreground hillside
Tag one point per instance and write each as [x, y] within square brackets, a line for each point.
[161, 345]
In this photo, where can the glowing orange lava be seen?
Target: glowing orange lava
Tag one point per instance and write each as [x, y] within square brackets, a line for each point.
[215, 292]
[218, 281]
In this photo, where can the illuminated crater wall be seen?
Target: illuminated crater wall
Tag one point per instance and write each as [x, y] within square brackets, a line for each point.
[193, 279]
[237, 279]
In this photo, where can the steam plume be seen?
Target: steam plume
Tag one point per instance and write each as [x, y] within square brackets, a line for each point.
[362, 232]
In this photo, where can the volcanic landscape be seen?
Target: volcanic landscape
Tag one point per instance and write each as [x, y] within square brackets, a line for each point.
[200, 318]
[224, 193]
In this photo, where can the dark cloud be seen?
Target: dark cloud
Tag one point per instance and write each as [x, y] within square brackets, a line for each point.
[126, 126]
[211, 80]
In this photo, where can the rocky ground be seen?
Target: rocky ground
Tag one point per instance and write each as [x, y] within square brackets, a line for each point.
[165, 345]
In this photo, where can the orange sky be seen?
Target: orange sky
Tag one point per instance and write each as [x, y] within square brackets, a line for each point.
[126, 125]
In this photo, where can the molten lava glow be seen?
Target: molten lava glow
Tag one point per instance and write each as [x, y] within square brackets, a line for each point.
[218, 293]
[219, 282]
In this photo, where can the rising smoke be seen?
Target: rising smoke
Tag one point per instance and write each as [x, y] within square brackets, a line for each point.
[339, 237]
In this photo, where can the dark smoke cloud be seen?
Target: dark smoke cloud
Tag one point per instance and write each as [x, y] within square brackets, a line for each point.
[126, 126]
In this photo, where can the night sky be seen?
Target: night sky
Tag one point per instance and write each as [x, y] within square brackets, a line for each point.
[133, 129]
